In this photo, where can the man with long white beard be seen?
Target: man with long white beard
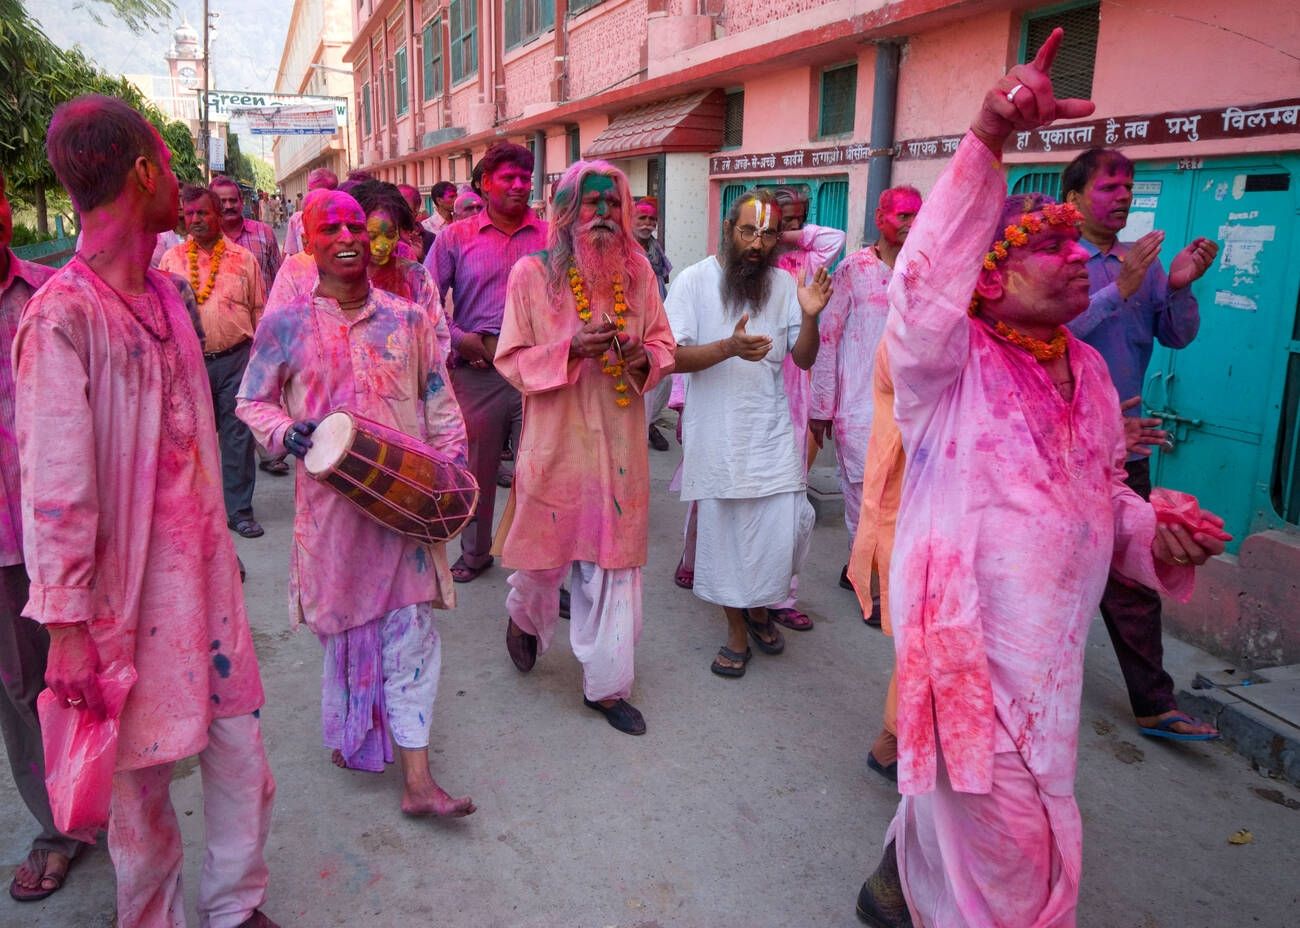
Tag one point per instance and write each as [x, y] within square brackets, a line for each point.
[584, 335]
[735, 318]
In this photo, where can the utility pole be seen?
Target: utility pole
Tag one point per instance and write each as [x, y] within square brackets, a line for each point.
[203, 104]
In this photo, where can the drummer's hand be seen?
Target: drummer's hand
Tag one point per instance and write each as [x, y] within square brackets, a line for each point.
[296, 441]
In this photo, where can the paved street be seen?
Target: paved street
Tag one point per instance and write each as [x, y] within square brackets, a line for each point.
[748, 802]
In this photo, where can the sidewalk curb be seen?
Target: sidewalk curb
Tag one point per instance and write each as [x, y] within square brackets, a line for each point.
[1269, 741]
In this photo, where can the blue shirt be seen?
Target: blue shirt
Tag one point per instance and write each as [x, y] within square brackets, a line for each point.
[1123, 330]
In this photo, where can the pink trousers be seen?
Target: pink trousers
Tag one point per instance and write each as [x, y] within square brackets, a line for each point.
[144, 839]
[1007, 859]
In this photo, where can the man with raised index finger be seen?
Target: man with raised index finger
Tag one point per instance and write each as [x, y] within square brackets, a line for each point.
[1014, 511]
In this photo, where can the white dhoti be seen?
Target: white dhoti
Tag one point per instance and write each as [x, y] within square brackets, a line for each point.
[604, 619]
[1010, 858]
[748, 550]
[144, 839]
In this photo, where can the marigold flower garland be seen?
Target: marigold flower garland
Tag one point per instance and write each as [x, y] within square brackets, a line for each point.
[201, 293]
[615, 366]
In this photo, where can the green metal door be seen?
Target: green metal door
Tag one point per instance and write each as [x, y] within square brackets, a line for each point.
[1220, 396]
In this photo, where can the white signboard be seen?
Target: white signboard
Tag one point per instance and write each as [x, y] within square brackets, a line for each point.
[288, 120]
[221, 103]
[216, 153]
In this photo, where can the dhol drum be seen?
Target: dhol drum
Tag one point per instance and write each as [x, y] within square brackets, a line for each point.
[396, 480]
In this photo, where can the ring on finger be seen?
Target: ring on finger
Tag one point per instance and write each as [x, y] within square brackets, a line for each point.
[1183, 560]
[75, 702]
[1011, 94]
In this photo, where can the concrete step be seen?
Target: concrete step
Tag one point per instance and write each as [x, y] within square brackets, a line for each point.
[1258, 712]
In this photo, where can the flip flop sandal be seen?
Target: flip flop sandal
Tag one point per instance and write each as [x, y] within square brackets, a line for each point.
[463, 573]
[23, 894]
[792, 619]
[682, 577]
[775, 646]
[726, 653]
[1165, 729]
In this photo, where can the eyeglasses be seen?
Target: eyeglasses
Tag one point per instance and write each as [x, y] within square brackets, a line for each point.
[749, 233]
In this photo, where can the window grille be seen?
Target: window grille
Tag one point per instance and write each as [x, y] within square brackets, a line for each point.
[839, 91]
[525, 20]
[1072, 70]
[432, 54]
[462, 16]
[733, 127]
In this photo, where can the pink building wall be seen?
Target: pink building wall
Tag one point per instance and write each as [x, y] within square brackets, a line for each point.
[606, 46]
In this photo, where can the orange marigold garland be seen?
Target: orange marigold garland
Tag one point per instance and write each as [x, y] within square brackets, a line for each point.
[201, 293]
[1043, 351]
[613, 366]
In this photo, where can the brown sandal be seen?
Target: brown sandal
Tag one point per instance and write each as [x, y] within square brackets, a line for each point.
[39, 860]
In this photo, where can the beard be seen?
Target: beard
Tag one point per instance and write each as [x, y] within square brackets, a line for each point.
[745, 284]
[601, 253]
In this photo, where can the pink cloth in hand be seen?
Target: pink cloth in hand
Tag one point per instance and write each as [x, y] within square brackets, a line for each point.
[1174, 507]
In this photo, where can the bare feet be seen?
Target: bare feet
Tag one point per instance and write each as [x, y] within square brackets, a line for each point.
[337, 758]
[39, 876]
[434, 800]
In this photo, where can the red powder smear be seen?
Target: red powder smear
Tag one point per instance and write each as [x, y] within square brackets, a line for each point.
[1176, 508]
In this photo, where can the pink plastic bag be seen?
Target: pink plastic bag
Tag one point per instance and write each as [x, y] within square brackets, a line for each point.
[1174, 507]
[81, 754]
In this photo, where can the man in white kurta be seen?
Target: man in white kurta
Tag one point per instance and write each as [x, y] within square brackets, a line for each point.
[735, 319]
[1014, 511]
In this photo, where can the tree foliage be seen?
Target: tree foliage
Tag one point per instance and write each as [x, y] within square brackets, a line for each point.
[134, 14]
[36, 76]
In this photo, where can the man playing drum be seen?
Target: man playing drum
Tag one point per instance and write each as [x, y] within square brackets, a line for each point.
[365, 590]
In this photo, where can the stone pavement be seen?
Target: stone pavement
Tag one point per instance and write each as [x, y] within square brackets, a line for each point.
[748, 802]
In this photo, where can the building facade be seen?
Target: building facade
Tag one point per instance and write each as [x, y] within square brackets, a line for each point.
[698, 100]
[312, 65]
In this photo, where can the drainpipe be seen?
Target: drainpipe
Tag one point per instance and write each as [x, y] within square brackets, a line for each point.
[560, 65]
[539, 165]
[884, 103]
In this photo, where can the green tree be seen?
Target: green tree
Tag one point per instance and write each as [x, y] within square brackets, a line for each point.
[263, 173]
[36, 76]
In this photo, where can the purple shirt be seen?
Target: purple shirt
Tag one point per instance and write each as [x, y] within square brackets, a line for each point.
[472, 258]
[23, 279]
[259, 238]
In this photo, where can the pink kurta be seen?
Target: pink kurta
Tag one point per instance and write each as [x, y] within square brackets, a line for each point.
[582, 480]
[309, 360]
[1014, 510]
[817, 248]
[851, 327]
[124, 525]
[298, 277]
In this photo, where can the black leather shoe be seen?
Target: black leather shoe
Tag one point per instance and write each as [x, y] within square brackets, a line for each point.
[622, 715]
[657, 440]
[845, 582]
[522, 647]
[880, 901]
[869, 912]
[564, 603]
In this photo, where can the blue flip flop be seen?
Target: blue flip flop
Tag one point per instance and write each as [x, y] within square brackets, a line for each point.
[1165, 729]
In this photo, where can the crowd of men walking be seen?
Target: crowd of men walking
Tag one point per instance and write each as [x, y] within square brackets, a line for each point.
[969, 365]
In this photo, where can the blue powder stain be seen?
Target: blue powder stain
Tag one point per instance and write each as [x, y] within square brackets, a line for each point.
[222, 664]
[257, 713]
[216, 644]
[216, 700]
[417, 674]
[421, 560]
[622, 471]
[433, 383]
[421, 718]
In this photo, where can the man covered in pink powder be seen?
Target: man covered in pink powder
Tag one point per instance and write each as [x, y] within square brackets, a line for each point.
[1014, 511]
[367, 591]
[124, 532]
[584, 336]
[851, 328]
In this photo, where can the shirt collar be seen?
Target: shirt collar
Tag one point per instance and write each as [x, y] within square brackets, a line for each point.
[485, 220]
[19, 270]
[1118, 250]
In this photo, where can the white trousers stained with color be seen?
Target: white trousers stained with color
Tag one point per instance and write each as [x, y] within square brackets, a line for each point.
[144, 839]
[412, 667]
[604, 619]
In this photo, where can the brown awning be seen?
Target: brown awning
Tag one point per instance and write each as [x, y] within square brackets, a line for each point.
[688, 123]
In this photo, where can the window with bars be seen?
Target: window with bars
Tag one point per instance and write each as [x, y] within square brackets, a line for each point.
[574, 139]
[525, 20]
[432, 59]
[462, 19]
[1072, 70]
[365, 109]
[581, 6]
[839, 94]
[1048, 182]
[401, 78]
[733, 124]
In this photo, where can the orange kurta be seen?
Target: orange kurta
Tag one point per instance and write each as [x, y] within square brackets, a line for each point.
[882, 488]
[582, 480]
[233, 308]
